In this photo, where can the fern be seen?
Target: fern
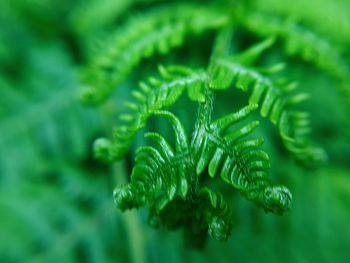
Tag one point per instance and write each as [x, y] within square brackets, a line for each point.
[55, 200]
[306, 44]
[335, 27]
[156, 95]
[243, 165]
[166, 178]
[163, 175]
[212, 215]
[157, 32]
[274, 97]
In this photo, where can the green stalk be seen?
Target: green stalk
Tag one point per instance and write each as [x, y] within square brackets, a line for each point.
[130, 219]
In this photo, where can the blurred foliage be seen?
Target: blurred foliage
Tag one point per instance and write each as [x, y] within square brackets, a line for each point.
[56, 201]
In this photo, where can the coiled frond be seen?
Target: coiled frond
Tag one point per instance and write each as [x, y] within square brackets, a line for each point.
[304, 43]
[206, 213]
[157, 32]
[167, 177]
[153, 96]
[274, 96]
[159, 174]
[238, 160]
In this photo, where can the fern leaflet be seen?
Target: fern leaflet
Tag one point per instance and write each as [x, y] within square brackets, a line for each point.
[142, 37]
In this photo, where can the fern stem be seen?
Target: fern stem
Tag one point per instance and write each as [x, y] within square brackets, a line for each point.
[204, 113]
[130, 219]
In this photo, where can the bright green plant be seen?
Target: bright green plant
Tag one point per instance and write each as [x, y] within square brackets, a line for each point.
[167, 178]
[222, 110]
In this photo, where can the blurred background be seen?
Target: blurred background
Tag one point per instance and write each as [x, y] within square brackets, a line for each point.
[56, 201]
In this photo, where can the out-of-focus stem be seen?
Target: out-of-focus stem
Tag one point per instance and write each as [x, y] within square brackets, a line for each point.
[130, 219]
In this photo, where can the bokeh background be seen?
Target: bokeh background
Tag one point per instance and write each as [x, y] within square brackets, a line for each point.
[56, 201]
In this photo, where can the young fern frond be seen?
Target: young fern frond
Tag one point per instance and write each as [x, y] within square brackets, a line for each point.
[217, 214]
[299, 127]
[193, 174]
[207, 213]
[299, 41]
[142, 37]
[274, 96]
[306, 44]
[153, 96]
[238, 160]
[159, 173]
[168, 177]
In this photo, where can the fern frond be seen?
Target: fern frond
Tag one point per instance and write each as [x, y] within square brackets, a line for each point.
[239, 161]
[327, 17]
[296, 124]
[205, 213]
[159, 174]
[166, 179]
[217, 214]
[159, 31]
[274, 97]
[309, 46]
[153, 96]
[306, 44]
